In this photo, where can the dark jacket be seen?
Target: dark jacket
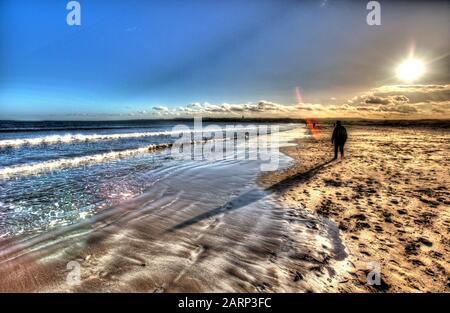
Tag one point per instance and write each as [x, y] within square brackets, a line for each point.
[339, 136]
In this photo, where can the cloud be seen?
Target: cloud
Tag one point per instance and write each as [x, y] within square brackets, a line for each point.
[260, 108]
[395, 102]
[160, 109]
[416, 93]
[402, 101]
[375, 99]
[395, 109]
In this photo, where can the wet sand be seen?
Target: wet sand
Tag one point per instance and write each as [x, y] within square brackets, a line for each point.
[389, 196]
[200, 228]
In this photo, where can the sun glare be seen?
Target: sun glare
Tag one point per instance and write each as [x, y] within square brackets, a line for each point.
[410, 70]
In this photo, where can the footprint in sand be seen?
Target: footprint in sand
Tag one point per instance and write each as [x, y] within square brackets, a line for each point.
[194, 257]
[216, 221]
[213, 222]
[196, 253]
[159, 290]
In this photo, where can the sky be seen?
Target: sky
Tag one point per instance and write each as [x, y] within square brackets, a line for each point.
[163, 59]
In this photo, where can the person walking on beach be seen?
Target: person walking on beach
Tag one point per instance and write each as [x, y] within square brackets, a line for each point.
[339, 138]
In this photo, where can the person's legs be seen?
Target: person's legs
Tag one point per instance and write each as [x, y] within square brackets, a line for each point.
[341, 149]
[336, 150]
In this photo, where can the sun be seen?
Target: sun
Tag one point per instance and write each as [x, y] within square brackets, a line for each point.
[410, 70]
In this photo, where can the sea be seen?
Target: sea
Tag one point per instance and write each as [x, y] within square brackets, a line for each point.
[58, 173]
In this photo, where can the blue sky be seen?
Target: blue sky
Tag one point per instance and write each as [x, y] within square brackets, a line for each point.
[131, 56]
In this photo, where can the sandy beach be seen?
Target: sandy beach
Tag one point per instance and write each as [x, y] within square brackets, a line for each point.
[389, 197]
[315, 225]
[188, 147]
[199, 227]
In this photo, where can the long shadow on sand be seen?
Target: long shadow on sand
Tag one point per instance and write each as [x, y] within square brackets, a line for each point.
[253, 195]
[301, 177]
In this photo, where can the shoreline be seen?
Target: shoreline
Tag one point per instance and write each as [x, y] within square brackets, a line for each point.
[176, 238]
[312, 226]
[387, 196]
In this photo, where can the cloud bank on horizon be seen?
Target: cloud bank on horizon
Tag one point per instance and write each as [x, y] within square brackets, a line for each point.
[385, 102]
[394, 101]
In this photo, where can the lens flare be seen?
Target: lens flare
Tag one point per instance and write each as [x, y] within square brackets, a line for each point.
[309, 122]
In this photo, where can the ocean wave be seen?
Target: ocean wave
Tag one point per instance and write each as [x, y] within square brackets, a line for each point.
[35, 168]
[72, 138]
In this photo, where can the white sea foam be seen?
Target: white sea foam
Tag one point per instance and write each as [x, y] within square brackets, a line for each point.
[71, 138]
[34, 168]
[39, 167]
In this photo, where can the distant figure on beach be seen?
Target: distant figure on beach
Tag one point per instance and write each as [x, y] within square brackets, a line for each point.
[339, 138]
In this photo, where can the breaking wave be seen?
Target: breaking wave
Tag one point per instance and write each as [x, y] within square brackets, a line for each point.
[34, 168]
[71, 138]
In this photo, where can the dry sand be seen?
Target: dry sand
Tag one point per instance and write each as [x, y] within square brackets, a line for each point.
[390, 198]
